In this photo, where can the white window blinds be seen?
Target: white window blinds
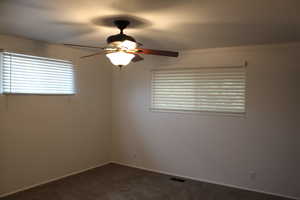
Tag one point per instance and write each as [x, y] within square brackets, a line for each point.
[219, 89]
[24, 74]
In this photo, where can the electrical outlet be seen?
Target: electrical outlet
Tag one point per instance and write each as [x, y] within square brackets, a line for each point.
[134, 156]
[252, 175]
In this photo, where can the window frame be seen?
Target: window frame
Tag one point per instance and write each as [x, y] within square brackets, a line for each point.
[202, 112]
[74, 91]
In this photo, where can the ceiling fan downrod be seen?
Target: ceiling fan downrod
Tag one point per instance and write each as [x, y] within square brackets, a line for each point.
[121, 24]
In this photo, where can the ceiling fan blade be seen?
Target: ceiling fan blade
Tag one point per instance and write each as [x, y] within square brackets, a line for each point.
[157, 52]
[137, 58]
[94, 54]
[139, 44]
[83, 46]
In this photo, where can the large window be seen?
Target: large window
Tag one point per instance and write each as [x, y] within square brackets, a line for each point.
[220, 89]
[24, 74]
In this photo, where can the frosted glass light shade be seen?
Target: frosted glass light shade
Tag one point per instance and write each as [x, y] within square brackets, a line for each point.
[126, 44]
[129, 44]
[120, 58]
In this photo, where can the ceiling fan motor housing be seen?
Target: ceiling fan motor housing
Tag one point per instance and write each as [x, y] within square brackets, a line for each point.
[121, 24]
[119, 38]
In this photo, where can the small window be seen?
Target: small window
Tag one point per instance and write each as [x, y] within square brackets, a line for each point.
[219, 89]
[24, 74]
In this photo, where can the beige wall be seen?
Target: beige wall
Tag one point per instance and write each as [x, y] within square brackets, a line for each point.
[298, 139]
[215, 148]
[44, 137]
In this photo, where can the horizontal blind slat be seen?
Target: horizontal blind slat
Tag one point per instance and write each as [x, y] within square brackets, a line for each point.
[200, 71]
[37, 92]
[222, 108]
[199, 87]
[199, 104]
[37, 84]
[199, 100]
[49, 80]
[23, 56]
[211, 99]
[227, 93]
[25, 69]
[208, 78]
[37, 74]
[33, 64]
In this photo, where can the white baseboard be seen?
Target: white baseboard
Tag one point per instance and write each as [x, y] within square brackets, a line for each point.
[51, 180]
[206, 181]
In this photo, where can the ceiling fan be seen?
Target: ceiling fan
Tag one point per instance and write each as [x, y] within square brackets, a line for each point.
[122, 49]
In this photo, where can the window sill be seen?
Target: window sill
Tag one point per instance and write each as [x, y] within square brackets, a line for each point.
[28, 94]
[204, 113]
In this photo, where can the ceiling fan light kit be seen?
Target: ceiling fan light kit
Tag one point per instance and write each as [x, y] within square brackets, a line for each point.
[122, 49]
[120, 58]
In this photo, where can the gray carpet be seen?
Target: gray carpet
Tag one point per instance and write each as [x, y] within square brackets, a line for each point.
[116, 182]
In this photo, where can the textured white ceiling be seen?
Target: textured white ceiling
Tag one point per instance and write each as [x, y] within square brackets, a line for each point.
[166, 24]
